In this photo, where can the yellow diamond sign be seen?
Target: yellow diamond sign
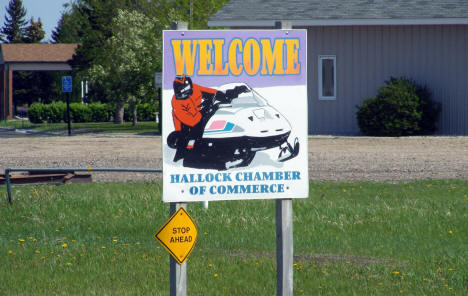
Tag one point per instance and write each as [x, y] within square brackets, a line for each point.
[178, 235]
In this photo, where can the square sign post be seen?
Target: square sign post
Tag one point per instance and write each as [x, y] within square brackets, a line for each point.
[67, 83]
[234, 114]
[158, 85]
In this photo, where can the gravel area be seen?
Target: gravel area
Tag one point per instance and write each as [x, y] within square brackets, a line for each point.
[110, 151]
[330, 158]
[388, 159]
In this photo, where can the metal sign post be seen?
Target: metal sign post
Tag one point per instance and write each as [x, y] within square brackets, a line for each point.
[284, 247]
[178, 272]
[284, 232]
[67, 88]
[179, 235]
[158, 85]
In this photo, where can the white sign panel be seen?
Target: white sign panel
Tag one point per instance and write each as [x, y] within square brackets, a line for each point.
[234, 115]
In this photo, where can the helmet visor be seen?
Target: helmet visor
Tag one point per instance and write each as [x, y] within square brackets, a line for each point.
[183, 91]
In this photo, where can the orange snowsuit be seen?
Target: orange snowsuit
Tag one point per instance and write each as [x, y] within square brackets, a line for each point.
[187, 111]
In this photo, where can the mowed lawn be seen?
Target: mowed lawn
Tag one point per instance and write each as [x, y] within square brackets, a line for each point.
[349, 239]
[143, 127]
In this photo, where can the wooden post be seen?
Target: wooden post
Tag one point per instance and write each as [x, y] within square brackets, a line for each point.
[178, 272]
[3, 91]
[6, 97]
[284, 232]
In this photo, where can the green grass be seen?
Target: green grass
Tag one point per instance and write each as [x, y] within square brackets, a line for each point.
[349, 239]
[145, 127]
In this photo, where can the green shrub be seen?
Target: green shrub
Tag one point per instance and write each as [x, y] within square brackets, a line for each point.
[55, 112]
[401, 108]
[99, 112]
[94, 112]
[35, 113]
[146, 112]
[80, 112]
[127, 113]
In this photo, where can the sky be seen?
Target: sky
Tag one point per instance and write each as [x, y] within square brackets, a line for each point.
[48, 10]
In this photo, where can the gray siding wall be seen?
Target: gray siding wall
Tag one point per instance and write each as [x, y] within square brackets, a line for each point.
[367, 56]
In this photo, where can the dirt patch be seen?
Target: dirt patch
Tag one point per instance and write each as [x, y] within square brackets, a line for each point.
[330, 158]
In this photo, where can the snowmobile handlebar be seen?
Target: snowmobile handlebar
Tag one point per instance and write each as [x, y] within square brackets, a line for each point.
[222, 97]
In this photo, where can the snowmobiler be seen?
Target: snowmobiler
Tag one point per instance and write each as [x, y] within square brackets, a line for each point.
[224, 128]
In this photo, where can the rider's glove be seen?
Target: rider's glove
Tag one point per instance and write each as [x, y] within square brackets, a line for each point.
[222, 97]
[235, 92]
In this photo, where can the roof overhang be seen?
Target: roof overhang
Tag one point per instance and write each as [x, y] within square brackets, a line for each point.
[339, 22]
[38, 66]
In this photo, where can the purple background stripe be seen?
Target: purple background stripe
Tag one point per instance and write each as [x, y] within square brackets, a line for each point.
[253, 81]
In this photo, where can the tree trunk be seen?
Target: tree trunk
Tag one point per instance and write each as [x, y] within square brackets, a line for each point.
[133, 110]
[119, 113]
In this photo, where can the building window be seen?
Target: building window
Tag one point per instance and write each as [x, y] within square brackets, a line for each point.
[327, 77]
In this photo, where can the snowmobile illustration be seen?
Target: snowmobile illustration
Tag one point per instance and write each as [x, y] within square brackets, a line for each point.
[234, 131]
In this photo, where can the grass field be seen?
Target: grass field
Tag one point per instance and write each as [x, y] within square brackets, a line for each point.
[143, 127]
[349, 239]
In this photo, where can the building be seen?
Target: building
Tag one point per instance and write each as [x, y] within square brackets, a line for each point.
[29, 57]
[354, 46]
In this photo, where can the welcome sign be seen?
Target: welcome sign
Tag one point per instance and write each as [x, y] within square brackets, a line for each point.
[234, 115]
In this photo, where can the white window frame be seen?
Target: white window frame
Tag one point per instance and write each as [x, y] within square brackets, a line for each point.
[320, 82]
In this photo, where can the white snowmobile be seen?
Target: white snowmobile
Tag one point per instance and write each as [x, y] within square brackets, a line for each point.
[234, 131]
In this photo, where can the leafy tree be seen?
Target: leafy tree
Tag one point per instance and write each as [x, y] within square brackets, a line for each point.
[194, 12]
[128, 61]
[15, 22]
[34, 32]
[95, 27]
[96, 23]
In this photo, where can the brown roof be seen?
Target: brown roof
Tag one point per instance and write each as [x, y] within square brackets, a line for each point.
[21, 52]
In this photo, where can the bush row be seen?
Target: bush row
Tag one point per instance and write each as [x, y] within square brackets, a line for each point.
[94, 112]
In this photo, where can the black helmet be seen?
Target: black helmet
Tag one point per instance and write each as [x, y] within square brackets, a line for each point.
[183, 87]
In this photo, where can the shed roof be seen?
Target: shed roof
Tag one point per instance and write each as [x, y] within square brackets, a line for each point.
[247, 13]
[27, 52]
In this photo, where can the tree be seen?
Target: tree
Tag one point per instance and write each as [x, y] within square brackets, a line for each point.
[128, 61]
[194, 12]
[66, 30]
[15, 22]
[96, 26]
[34, 32]
[31, 86]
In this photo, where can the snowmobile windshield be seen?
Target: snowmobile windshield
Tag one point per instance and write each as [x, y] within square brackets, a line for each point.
[249, 99]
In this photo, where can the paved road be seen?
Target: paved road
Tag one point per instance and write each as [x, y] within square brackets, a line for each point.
[9, 133]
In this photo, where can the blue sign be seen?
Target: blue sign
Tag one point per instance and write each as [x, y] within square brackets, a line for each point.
[66, 84]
